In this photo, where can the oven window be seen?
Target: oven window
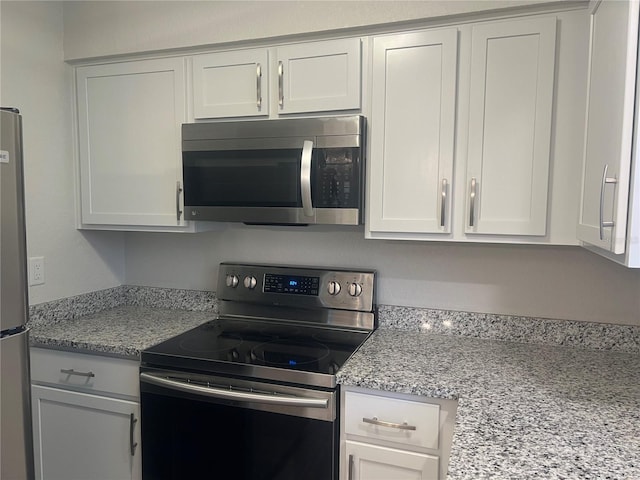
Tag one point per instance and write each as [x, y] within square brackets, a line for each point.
[188, 438]
[243, 178]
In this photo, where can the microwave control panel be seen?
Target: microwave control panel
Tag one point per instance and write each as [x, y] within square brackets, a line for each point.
[337, 182]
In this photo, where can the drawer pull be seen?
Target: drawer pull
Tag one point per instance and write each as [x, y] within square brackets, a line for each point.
[399, 426]
[71, 371]
[132, 443]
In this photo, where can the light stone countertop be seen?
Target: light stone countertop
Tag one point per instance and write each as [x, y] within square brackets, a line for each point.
[123, 331]
[525, 411]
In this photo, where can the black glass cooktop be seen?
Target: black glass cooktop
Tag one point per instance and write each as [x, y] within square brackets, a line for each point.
[265, 350]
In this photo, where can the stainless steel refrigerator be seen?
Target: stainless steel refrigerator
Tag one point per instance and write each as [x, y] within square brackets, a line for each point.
[16, 445]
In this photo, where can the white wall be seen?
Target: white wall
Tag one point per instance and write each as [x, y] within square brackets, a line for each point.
[560, 282]
[34, 78]
[94, 29]
[545, 281]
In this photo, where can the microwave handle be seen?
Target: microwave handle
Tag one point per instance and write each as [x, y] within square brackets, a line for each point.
[305, 178]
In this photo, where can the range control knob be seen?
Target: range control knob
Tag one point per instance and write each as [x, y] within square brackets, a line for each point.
[232, 281]
[333, 287]
[355, 289]
[250, 282]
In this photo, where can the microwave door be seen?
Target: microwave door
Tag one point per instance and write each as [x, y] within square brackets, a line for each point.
[265, 182]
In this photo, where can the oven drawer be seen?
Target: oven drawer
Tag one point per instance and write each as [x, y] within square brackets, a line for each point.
[84, 372]
[394, 420]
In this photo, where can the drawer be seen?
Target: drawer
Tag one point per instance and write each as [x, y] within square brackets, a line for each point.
[90, 373]
[362, 411]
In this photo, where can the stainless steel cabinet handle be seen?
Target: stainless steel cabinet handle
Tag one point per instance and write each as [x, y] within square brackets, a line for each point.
[443, 201]
[280, 84]
[472, 201]
[235, 394]
[178, 192]
[399, 426]
[605, 181]
[132, 444]
[305, 178]
[259, 85]
[351, 465]
[71, 371]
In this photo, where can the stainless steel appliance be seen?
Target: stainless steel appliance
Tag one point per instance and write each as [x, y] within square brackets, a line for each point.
[289, 171]
[252, 394]
[16, 447]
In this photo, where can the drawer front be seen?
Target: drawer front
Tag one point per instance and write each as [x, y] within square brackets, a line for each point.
[391, 419]
[85, 372]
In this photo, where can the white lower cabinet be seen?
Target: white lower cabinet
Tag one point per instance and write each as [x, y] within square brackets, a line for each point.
[86, 417]
[82, 436]
[373, 462]
[394, 436]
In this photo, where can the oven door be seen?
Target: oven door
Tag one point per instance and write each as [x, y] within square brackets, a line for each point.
[196, 426]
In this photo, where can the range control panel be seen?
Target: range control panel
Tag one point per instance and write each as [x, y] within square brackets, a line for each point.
[292, 286]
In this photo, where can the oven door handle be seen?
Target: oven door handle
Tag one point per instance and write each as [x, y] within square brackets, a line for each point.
[265, 398]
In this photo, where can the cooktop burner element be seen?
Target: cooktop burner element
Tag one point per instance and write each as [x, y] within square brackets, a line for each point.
[288, 324]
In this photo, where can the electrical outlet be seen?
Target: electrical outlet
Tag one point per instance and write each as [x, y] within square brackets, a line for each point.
[36, 271]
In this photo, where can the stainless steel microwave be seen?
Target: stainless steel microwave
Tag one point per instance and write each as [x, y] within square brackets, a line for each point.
[283, 171]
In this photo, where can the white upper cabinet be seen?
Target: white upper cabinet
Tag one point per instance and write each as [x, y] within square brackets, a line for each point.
[129, 134]
[510, 113]
[609, 128]
[231, 84]
[473, 133]
[413, 102]
[319, 76]
[299, 78]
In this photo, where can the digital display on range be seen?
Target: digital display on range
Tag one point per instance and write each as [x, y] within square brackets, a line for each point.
[291, 284]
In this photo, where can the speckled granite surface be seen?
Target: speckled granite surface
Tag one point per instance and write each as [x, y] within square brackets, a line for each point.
[535, 410]
[545, 331]
[122, 331]
[89, 303]
[119, 321]
[525, 411]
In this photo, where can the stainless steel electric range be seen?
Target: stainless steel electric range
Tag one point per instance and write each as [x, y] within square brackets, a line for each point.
[252, 394]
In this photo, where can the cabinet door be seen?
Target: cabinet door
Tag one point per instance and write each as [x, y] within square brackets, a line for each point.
[231, 84]
[129, 126]
[319, 76]
[412, 131]
[82, 436]
[372, 462]
[510, 113]
[610, 109]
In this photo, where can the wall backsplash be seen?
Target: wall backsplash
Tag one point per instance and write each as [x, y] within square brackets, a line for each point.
[522, 329]
[538, 281]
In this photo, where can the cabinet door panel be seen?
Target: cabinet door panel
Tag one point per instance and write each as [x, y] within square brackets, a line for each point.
[412, 131]
[372, 462]
[510, 112]
[231, 84]
[129, 120]
[81, 436]
[319, 76]
[610, 110]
